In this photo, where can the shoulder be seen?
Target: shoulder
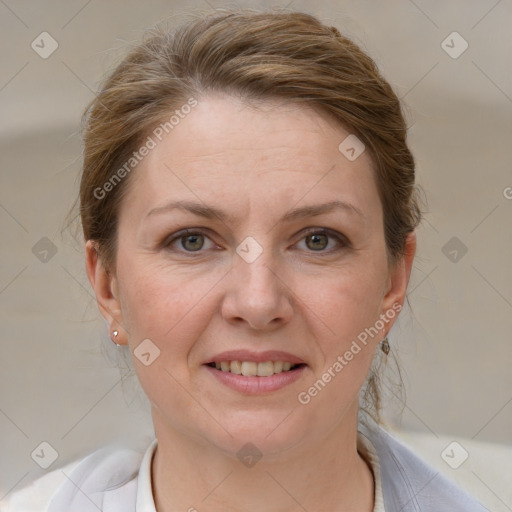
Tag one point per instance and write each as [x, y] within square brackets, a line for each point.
[103, 480]
[409, 484]
[37, 495]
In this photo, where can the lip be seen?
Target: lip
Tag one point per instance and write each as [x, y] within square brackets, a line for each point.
[254, 385]
[257, 357]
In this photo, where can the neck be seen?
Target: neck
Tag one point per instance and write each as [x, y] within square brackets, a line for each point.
[190, 474]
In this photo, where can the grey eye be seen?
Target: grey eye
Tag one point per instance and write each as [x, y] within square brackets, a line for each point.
[318, 241]
[192, 242]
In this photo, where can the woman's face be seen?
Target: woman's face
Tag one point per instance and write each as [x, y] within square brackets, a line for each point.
[285, 261]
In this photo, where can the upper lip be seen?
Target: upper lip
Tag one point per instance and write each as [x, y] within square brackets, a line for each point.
[258, 357]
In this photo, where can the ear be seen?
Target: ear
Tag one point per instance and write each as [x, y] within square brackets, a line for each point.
[105, 288]
[398, 281]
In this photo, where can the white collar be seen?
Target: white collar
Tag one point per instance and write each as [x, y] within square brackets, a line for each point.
[145, 501]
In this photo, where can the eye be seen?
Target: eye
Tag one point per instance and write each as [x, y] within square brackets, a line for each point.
[194, 240]
[318, 240]
[187, 241]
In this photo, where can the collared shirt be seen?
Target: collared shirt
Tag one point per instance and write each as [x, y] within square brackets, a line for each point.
[119, 480]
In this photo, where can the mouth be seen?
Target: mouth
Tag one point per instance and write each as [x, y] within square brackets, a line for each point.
[255, 373]
[254, 368]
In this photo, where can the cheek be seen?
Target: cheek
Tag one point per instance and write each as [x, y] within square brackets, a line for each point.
[162, 303]
[343, 313]
[165, 307]
[345, 302]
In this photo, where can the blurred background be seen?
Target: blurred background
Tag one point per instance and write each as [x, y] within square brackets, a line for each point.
[64, 383]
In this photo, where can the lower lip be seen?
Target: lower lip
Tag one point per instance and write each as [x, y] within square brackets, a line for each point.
[256, 385]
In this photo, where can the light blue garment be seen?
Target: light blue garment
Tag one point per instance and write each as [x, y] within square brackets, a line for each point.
[411, 485]
[109, 480]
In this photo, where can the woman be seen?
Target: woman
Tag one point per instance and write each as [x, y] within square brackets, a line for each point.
[249, 211]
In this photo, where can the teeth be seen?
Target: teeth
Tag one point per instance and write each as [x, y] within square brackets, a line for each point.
[252, 369]
[265, 369]
[236, 367]
[249, 368]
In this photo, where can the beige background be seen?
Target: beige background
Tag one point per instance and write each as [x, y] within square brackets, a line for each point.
[59, 380]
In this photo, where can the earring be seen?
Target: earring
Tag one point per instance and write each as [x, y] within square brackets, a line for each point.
[114, 334]
[384, 346]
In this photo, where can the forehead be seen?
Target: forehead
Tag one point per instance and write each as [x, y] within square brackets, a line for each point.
[241, 153]
[270, 127]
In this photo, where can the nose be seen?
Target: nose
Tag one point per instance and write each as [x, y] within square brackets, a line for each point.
[257, 295]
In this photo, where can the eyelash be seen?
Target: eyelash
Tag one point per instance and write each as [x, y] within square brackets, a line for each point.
[340, 239]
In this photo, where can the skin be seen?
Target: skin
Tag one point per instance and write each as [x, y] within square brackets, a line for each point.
[311, 299]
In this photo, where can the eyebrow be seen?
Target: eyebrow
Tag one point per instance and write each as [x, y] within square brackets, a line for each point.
[210, 212]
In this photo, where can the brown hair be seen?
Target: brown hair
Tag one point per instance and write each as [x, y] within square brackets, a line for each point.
[254, 55]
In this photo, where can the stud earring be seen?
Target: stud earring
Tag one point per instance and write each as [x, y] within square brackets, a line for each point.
[114, 334]
[384, 346]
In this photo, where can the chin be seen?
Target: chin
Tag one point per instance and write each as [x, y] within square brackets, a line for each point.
[271, 433]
